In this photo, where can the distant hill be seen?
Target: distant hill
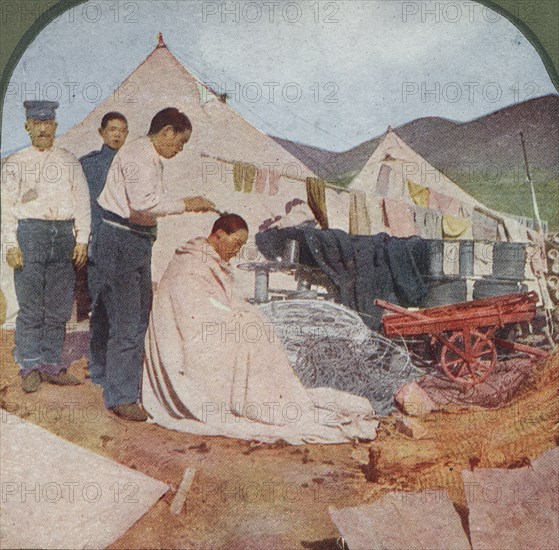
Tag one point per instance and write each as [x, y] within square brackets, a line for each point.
[484, 156]
[488, 144]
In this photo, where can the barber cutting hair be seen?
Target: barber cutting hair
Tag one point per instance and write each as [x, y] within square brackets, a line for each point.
[133, 198]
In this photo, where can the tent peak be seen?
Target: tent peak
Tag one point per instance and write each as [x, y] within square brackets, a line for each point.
[389, 129]
[160, 41]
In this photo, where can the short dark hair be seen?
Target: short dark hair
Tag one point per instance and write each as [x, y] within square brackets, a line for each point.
[113, 115]
[169, 117]
[230, 223]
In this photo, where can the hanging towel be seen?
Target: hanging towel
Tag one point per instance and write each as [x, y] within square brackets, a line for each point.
[243, 176]
[273, 187]
[383, 181]
[418, 194]
[261, 179]
[456, 228]
[316, 199]
[433, 224]
[359, 221]
[250, 175]
[238, 176]
[446, 205]
[485, 228]
[428, 223]
[398, 218]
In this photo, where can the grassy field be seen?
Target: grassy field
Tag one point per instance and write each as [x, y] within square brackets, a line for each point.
[513, 196]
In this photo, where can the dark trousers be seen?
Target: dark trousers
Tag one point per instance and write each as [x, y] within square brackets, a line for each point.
[44, 289]
[119, 277]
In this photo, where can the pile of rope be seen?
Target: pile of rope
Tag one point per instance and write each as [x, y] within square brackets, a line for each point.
[328, 345]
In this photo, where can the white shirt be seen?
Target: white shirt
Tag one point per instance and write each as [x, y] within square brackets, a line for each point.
[44, 185]
[134, 188]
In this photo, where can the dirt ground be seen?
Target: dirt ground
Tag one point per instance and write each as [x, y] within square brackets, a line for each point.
[277, 496]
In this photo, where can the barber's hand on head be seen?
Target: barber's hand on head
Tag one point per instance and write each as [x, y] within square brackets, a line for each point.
[14, 257]
[198, 204]
[80, 255]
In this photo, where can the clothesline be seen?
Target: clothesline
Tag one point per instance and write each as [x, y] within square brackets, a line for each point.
[294, 178]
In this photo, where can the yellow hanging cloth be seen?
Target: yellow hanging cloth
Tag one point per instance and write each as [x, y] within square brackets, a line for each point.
[238, 176]
[249, 177]
[419, 194]
[316, 199]
[454, 228]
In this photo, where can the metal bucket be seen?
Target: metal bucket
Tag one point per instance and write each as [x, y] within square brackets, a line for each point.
[466, 266]
[444, 291]
[509, 260]
[487, 288]
[435, 251]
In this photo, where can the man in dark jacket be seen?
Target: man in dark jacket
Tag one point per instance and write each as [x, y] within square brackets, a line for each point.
[96, 164]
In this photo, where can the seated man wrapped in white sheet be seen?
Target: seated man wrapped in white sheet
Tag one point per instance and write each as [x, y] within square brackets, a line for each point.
[214, 367]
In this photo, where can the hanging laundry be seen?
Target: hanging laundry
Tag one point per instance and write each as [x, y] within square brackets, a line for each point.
[418, 194]
[250, 175]
[456, 228]
[485, 228]
[419, 215]
[359, 221]
[398, 218]
[244, 175]
[446, 204]
[273, 187]
[316, 199]
[383, 181]
[261, 179]
[433, 224]
[428, 223]
[238, 176]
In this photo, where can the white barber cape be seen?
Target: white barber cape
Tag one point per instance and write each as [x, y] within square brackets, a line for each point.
[213, 366]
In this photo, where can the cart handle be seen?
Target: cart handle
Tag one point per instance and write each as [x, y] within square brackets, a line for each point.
[397, 309]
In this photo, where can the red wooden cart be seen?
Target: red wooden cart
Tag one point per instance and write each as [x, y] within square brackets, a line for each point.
[466, 331]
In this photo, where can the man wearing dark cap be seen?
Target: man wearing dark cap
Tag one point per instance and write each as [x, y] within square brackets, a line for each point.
[113, 131]
[45, 224]
[133, 198]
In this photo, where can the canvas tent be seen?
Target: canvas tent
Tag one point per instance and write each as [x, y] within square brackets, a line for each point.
[397, 179]
[221, 138]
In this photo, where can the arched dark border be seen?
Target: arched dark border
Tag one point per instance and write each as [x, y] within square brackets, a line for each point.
[530, 35]
[38, 25]
[58, 9]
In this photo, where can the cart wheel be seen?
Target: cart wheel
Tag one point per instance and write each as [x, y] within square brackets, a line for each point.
[483, 357]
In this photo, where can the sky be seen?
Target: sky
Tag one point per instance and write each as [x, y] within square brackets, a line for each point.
[331, 74]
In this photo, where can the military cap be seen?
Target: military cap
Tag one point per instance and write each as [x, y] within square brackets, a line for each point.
[40, 110]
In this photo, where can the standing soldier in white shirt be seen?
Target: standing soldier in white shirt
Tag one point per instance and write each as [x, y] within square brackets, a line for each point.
[45, 222]
[120, 270]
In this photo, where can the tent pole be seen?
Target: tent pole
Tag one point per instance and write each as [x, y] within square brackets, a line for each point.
[539, 277]
[529, 180]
